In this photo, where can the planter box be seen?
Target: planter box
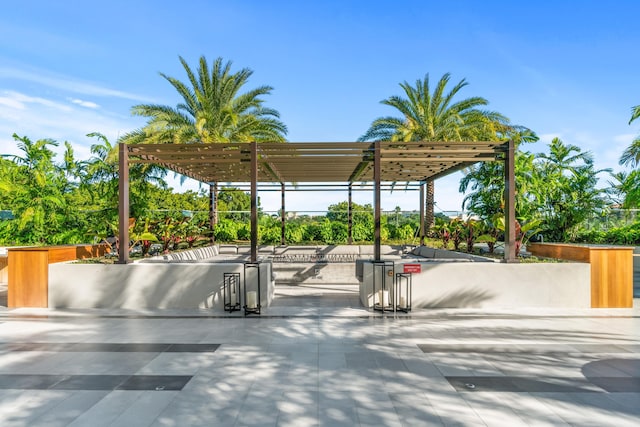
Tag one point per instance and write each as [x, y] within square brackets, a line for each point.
[28, 270]
[611, 269]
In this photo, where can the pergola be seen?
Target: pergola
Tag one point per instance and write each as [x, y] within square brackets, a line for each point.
[378, 164]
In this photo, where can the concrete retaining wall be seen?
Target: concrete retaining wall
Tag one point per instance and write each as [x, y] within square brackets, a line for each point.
[456, 284]
[141, 286]
[315, 273]
[433, 253]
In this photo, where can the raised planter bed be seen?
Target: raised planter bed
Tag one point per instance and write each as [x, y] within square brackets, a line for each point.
[611, 270]
[28, 270]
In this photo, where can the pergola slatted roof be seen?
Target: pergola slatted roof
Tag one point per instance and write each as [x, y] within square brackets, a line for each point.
[379, 163]
[297, 162]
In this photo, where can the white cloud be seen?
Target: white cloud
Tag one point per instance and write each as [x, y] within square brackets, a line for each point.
[19, 101]
[38, 117]
[86, 104]
[11, 102]
[67, 83]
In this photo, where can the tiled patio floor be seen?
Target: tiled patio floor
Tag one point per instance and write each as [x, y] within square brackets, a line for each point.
[317, 358]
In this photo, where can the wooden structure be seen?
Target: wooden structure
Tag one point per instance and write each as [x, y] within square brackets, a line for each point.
[28, 271]
[611, 270]
[384, 164]
[4, 268]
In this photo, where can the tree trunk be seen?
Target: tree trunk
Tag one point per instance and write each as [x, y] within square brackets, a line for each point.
[430, 203]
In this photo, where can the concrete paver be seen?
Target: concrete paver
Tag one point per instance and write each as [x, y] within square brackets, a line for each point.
[311, 361]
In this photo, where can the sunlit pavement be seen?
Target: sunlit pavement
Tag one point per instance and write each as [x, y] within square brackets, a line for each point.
[317, 358]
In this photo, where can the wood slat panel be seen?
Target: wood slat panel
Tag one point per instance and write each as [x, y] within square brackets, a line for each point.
[316, 161]
[560, 251]
[28, 278]
[611, 278]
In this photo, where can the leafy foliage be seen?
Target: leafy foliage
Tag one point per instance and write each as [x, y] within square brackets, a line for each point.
[555, 190]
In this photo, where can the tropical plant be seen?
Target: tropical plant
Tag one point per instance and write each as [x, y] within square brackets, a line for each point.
[488, 234]
[624, 190]
[523, 232]
[141, 236]
[558, 188]
[441, 229]
[563, 186]
[470, 233]
[456, 228]
[483, 184]
[631, 155]
[213, 108]
[35, 186]
[435, 116]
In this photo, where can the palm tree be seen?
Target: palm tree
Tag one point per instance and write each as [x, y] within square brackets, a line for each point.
[624, 190]
[631, 155]
[565, 157]
[436, 116]
[212, 109]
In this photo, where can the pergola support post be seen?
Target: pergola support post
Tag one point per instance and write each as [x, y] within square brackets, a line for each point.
[376, 200]
[422, 214]
[254, 202]
[510, 204]
[213, 209]
[350, 216]
[123, 204]
[282, 217]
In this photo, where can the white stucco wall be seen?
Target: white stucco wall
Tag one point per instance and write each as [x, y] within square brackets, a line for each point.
[146, 285]
[457, 284]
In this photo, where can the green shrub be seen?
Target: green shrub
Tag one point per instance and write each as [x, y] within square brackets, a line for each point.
[244, 231]
[269, 235]
[226, 231]
[294, 233]
[312, 232]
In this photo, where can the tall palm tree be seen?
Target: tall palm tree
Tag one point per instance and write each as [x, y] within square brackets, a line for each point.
[631, 155]
[436, 116]
[212, 109]
[625, 189]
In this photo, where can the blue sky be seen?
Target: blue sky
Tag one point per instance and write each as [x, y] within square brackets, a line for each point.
[566, 69]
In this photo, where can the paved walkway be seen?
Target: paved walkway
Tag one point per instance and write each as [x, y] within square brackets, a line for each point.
[317, 358]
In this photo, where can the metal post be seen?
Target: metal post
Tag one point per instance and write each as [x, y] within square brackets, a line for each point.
[422, 214]
[123, 205]
[282, 237]
[376, 200]
[254, 202]
[510, 204]
[350, 216]
[213, 209]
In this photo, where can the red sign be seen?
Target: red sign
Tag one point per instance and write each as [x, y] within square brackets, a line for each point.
[412, 268]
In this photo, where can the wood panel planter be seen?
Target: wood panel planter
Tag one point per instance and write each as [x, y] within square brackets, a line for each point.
[28, 271]
[611, 270]
[4, 263]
